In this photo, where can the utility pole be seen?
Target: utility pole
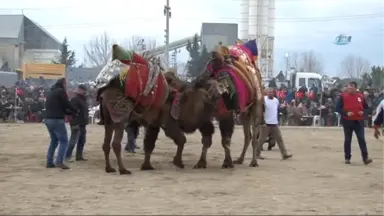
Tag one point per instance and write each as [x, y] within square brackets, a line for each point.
[174, 58]
[167, 13]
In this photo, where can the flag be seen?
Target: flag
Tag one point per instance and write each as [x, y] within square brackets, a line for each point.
[252, 46]
[19, 92]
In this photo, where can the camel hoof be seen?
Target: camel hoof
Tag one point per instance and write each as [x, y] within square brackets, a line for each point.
[254, 164]
[146, 167]
[200, 165]
[110, 170]
[227, 165]
[238, 161]
[178, 163]
[125, 172]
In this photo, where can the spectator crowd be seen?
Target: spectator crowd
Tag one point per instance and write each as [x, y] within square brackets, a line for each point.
[299, 106]
[25, 102]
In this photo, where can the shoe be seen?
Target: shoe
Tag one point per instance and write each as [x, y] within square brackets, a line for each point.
[287, 156]
[368, 161]
[130, 150]
[50, 166]
[81, 159]
[62, 166]
[347, 161]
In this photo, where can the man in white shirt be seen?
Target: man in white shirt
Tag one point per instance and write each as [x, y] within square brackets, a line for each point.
[271, 116]
[378, 119]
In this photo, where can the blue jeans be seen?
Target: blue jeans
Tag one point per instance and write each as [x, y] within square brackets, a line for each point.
[349, 127]
[78, 136]
[132, 133]
[58, 134]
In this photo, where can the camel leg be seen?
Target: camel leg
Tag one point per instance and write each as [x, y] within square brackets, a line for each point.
[116, 145]
[246, 121]
[227, 126]
[256, 116]
[150, 138]
[108, 132]
[172, 130]
[207, 130]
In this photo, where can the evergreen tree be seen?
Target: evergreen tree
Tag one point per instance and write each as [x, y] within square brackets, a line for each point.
[67, 57]
[377, 75]
[198, 57]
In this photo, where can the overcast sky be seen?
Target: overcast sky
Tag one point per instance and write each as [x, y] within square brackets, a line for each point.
[79, 21]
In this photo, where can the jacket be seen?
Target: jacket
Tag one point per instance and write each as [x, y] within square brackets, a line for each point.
[80, 103]
[57, 105]
[354, 103]
[378, 118]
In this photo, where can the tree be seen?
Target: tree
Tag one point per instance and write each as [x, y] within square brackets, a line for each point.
[98, 51]
[139, 43]
[308, 61]
[377, 74]
[354, 66]
[198, 57]
[67, 57]
[366, 80]
[272, 83]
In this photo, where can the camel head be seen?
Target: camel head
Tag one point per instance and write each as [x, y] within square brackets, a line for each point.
[197, 99]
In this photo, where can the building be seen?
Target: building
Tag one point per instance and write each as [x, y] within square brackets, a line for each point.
[24, 41]
[258, 22]
[214, 33]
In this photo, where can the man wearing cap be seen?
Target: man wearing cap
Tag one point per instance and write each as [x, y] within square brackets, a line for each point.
[78, 124]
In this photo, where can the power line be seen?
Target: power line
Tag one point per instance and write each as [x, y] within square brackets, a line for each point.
[284, 20]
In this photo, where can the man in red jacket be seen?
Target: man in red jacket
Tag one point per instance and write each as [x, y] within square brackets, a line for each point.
[351, 106]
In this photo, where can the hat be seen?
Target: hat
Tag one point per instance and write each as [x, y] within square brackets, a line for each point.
[82, 87]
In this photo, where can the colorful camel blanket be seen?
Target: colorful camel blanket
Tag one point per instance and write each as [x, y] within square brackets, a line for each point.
[142, 78]
[241, 77]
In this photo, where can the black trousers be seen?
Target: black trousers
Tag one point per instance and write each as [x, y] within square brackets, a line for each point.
[349, 127]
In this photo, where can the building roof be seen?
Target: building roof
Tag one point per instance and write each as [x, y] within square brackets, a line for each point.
[82, 74]
[11, 26]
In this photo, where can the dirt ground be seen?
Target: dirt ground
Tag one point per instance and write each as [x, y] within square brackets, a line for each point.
[315, 181]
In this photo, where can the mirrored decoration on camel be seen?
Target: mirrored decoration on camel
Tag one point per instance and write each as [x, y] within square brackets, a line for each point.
[111, 70]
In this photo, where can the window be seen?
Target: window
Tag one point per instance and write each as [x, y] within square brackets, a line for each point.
[301, 81]
[312, 81]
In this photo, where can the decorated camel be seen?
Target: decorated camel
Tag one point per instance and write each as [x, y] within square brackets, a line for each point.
[235, 68]
[138, 89]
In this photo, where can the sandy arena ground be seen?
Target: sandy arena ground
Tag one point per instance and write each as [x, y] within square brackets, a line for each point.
[315, 181]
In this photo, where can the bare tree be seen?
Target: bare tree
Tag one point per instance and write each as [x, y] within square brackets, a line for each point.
[308, 61]
[354, 66]
[98, 51]
[293, 60]
[139, 43]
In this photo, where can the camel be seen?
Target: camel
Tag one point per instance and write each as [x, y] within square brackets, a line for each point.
[127, 97]
[233, 67]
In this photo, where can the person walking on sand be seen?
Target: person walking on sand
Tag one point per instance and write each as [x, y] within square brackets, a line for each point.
[271, 119]
[351, 106]
[57, 107]
[78, 125]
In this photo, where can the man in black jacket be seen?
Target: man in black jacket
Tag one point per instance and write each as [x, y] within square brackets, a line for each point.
[78, 125]
[57, 107]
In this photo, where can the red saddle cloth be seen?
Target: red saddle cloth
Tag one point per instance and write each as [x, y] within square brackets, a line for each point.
[136, 81]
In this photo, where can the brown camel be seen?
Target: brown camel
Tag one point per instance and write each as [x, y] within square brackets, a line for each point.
[178, 112]
[226, 65]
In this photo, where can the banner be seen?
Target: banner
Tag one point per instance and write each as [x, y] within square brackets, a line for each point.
[48, 71]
